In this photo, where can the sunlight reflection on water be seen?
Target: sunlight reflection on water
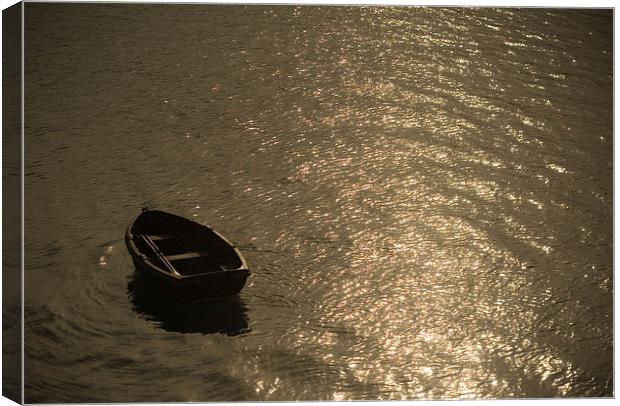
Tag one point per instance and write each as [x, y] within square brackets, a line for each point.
[424, 196]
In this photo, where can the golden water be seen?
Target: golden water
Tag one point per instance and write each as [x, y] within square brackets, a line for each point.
[424, 196]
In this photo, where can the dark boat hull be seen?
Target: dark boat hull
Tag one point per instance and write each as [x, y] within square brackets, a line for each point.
[205, 286]
[210, 286]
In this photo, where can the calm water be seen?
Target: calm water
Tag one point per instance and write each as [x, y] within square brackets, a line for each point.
[424, 195]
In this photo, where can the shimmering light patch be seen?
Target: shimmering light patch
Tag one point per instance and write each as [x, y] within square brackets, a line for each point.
[515, 44]
[556, 168]
[535, 203]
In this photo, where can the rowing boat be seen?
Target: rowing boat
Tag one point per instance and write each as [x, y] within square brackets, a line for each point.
[188, 260]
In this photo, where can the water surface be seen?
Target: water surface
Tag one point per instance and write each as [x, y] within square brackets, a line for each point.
[424, 196]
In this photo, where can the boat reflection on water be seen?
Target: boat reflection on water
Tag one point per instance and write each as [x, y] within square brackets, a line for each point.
[224, 316]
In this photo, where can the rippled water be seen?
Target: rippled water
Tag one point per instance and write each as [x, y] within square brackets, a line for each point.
[424, 196]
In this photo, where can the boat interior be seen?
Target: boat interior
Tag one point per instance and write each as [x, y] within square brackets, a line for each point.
[181, 246]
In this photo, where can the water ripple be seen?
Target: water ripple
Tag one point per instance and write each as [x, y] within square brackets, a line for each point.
[424, 196]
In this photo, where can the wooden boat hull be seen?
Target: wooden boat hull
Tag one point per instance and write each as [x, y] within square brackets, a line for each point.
[210, 286]
[206, 285]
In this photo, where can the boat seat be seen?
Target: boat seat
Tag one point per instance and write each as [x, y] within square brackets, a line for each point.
[158, 237]
[187, 255]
